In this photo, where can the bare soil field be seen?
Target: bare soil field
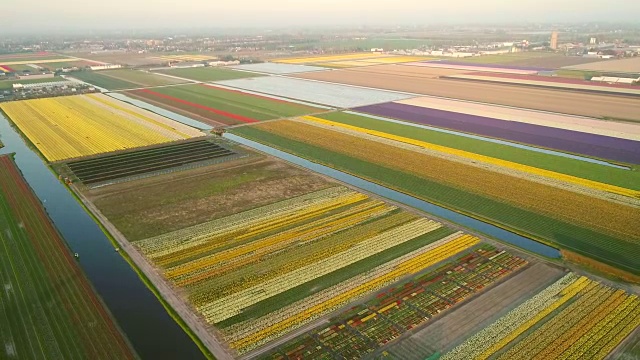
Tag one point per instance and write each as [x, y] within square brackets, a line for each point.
[553, 62]
[409, 71]
[157, 205]
[399, 78]
[454, 327]
[630, 65]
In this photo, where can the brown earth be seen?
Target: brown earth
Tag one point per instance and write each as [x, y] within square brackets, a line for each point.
[400, 78]
[593, 213]
[447, 331]
[631, 65]
[157, 205]
[552, 62]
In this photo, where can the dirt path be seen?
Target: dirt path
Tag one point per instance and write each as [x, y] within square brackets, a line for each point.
[168, 294]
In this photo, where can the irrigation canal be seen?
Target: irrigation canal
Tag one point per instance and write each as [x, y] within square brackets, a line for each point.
[469, 222]
[153, 333]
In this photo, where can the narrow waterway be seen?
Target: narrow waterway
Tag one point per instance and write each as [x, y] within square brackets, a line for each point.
[153, 333]
[471, 223]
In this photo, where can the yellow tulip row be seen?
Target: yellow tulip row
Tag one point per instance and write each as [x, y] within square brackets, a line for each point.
[412, 266]
[221, 232]
[71, 127]
[486, 159]
[566, 294]
[578, 349]
[564, 339]
[286, 240]
[260, 228]
[231, 305]
[239, 233]
[243, 329]
[553, 330]
[613, 338]
[173, 127]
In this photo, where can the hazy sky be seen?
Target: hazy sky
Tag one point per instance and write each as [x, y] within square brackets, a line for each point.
[160, 14]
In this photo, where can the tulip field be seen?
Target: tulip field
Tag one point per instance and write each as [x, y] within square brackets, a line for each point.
[365, 329]
[536, 209]
[572, 318]
[575, 318]
[48, 308]
[75, 126]
[261, 273]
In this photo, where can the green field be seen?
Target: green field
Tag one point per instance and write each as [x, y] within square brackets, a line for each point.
[597, 245]
[219, 106]
[8, 84]
[123, 79]
[582, 169]
[48, 309]
[5, 58]
[208, 73]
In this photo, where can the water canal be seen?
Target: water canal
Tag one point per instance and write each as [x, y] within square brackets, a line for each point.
[153, 333]
[466, 221]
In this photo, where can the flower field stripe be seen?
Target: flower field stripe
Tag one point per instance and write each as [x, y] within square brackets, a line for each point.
[216, 111]
[299, 310]
[601, 329]
[176, 127]
[531, 310]
[312, 234]
[571, 333]
[409, 264]
[567, 323]
[226, 307]
[567, 294]
[74, 126]
[508, 164]
[372, 209]
[616, 335]
[183, 239]
[253, 246]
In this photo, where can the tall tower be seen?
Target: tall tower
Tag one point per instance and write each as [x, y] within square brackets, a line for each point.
[554, 40]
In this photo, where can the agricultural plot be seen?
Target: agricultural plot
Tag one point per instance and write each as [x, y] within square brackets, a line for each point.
[596, 172]
[505, 69]
[327, 58]
[148, 162]
[629, 65]
[367, 329]
[258, 274]
[219, 106]
[207, 73]
[76, 126]
[186, 57]
[124, 79]
[528, 208]
[606, 128]
[574, 318]
[314, 92]
[551, 82]
[593, 145]
[277, 68]
[164, 203]
[27, 57]
[415, 79]
[48, 308]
